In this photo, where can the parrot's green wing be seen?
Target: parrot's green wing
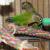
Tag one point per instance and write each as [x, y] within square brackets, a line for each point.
[23, 18]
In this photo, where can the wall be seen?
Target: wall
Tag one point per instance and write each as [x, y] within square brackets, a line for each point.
[41, 6]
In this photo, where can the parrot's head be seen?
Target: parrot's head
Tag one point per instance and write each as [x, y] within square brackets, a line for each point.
[28, 6]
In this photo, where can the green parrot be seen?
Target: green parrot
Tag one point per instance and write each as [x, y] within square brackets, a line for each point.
[26, 18]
